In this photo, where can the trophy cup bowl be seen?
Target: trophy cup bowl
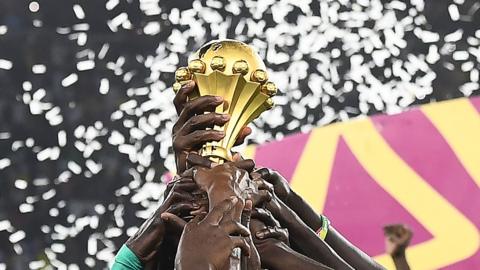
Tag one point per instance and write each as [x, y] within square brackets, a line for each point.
[233, 70]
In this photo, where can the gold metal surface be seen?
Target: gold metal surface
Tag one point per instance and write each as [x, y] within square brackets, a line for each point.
[259, 75]
[183, 74]
[233, 70]
[217, 63]
[270, 89]
[196, 66]
[240, 66]
[177, 86]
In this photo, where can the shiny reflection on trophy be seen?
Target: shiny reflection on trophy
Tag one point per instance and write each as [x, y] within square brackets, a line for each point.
[233, 70]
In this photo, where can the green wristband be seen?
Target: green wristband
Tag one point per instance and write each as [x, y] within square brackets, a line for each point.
[126, 260]
[322, 232]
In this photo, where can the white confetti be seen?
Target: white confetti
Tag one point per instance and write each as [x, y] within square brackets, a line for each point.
[3, 29]
[104, 86]
[39, 69]
[16, 236]
[6, 64]
[74, 167]
[4, 163]
[85, 65]
[453, 10]
[21, 184]
[79, 13]
[69, 80]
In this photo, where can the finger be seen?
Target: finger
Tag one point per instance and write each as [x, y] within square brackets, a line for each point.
[261, 197]
[198, 106]
[282, 234]
[182, 95]
[179, 196]
[246, 164]
[201, 199]
[237, 210]
[185, 186]
[217, 213]
[247, 213]
[182, 209]
[242, 243]
[264, 172]
[203, 210]
[263, 185]
[195, 139]
[173, 221]
[243, 135]
[235, 228]
[265, 216]
[200, 217]
[189, 172]
[171, 184]
[203, 121]
[279, 234]
[236, 157]
[268, 175]
[194, 159]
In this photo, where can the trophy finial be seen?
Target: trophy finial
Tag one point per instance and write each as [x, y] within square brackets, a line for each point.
[196, 66]
[259, 76]
[270, 89]
[233, 70]
[240, 66]
[183, 74]
[218, 63]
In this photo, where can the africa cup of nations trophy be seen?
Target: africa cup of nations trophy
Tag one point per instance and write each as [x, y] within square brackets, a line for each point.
[233, 70]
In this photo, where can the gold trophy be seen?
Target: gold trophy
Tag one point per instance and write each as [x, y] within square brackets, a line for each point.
[233, 70]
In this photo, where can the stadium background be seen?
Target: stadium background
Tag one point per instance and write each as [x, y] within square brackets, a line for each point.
[85, 97]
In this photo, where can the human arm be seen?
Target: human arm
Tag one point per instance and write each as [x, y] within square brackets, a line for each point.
[305, 238]
[344, 248]
[153, 234]
[272, 244]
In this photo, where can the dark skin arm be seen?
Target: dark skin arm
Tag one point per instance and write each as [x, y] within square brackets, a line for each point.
[351, 254]
[153, 233]
[304, 237]
[271, 242]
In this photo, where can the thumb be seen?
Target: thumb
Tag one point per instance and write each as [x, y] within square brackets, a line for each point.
[174, 221]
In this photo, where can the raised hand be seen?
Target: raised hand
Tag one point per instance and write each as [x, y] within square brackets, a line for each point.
[148, 239]
[190, 131]
[397, 239]
[280, 185]
[207, 243]
[221, 181]
[271, 227]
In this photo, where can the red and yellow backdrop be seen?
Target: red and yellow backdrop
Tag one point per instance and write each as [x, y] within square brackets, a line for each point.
[420, 167]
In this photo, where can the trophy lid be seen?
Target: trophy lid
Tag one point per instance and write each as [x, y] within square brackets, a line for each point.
[230, 57]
